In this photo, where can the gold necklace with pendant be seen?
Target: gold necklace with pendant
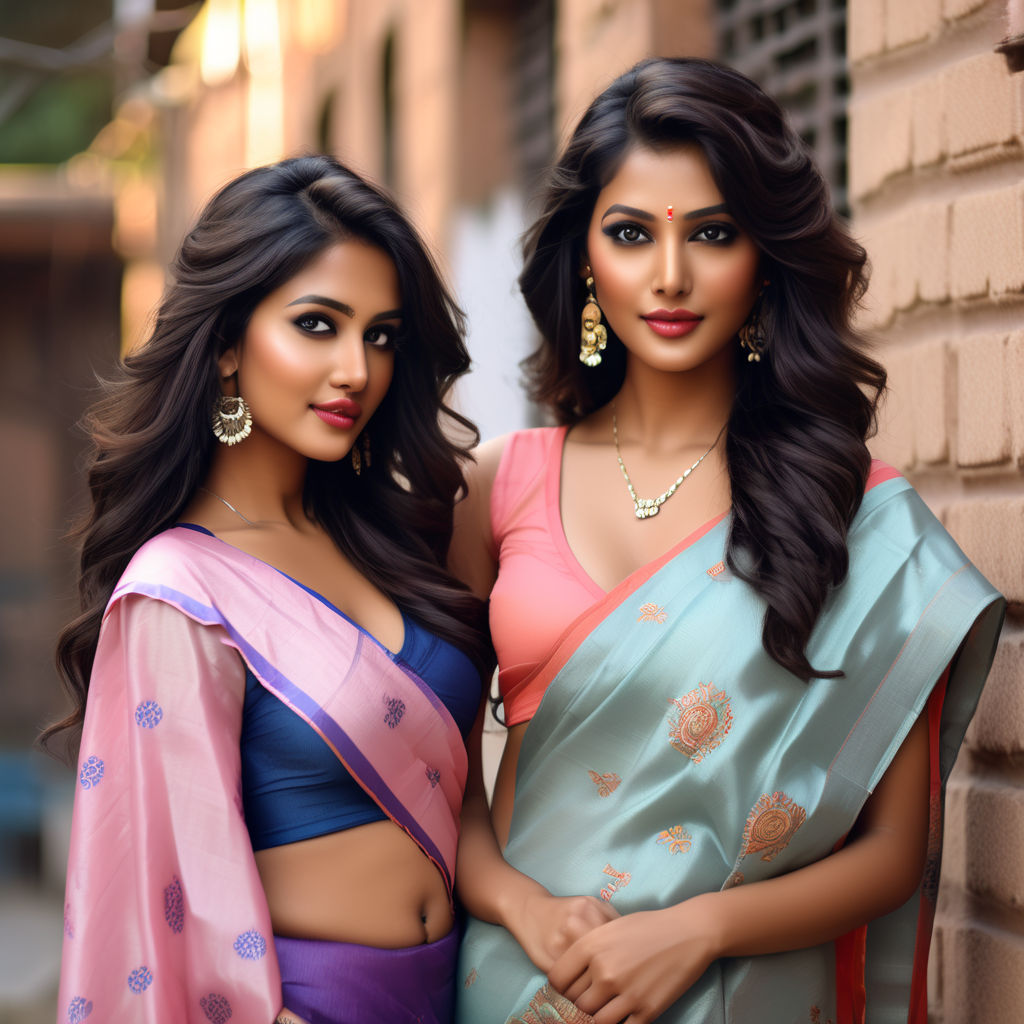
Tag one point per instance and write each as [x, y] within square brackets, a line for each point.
[647, 507]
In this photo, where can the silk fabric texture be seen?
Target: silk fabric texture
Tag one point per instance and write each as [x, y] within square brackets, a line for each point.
[165, 919]
[670, 756]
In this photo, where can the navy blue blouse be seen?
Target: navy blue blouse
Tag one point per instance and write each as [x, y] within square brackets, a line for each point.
[293, 785]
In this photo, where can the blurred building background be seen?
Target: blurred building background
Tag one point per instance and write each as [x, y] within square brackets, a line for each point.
[118, 118]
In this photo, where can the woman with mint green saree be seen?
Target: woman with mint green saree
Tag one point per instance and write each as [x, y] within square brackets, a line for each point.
[732, 707]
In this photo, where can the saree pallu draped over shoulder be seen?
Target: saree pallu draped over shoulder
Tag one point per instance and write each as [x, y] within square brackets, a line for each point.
[165, 919]
[671, 756]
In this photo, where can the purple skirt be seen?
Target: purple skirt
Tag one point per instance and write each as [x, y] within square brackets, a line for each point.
[344, 983]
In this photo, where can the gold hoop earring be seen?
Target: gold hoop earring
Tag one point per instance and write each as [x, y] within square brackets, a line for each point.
[593, 333]
[231, 419]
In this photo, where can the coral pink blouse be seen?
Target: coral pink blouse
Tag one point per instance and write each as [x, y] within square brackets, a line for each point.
[541, 588]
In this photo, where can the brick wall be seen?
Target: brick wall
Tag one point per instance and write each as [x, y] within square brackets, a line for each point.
[596, 40]
[936, 172]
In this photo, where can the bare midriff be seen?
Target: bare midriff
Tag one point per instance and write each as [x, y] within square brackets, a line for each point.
[370, 885]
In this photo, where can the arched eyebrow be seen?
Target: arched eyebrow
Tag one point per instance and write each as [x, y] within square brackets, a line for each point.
[632, 211]
[321, 300]
[706, 211]
[629, 211]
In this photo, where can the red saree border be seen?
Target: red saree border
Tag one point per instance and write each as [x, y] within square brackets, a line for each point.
[851, 948]
[918, 1010]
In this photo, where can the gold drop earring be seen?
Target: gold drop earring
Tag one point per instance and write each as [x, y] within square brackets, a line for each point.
[753, 334]
[593, 333]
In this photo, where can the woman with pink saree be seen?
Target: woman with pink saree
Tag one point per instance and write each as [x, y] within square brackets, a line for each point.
[733, 706]
[274, 671]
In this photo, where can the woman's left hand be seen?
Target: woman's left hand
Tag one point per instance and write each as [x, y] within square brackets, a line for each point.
[633, 968]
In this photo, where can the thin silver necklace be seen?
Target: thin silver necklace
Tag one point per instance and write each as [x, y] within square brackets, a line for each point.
[224, 501]
[647, 507]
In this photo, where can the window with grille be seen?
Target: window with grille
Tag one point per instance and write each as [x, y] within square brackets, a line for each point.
[796, 50]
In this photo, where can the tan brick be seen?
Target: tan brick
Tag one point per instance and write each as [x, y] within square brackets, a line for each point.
[910, 21]
[880, 242]
[957, 8]
[995, 837]
[930, 242]
[982, 109]
[1015, 389]
[935, 967]
[954, 828]
[998, 724]
[865, 29]
[982, 973]
[879, 140]
[907, 256]
[987, 243]
[1006, 275]
[928, 399]
[928, 120]
[992, 535]
[969, 242]
[983, 428]
[894, 442]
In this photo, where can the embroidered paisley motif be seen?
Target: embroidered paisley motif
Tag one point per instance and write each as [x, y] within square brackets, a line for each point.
[606, 783]
[771, 825]
[676, 838]
[702, 719]
[549, 1007]
[619, 880]
[652, 612]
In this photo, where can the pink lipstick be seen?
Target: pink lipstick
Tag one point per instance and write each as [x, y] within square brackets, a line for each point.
[671, 323]
[339, 412]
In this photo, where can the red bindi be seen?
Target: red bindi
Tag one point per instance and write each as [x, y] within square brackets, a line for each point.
[668, 213]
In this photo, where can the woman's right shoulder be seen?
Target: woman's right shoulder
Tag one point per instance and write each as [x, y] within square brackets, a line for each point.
[495, 466]
[526, 450]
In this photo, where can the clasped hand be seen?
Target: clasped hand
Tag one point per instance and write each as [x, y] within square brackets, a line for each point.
[633, 968]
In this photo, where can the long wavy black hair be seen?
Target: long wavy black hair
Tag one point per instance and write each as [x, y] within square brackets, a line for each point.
[152, 443]
[796, 449]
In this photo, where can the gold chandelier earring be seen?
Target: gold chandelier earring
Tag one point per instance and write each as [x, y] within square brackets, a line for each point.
[231, 419]
[754, 333]
[361, 458]
[593, 334]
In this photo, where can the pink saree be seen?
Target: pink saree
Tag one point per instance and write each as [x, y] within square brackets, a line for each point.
[165, 917]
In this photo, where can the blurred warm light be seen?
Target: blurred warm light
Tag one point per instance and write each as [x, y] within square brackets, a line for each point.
[262, 37]
[265, 121]
[87, 171]
[135, 216]
[317, 24]
[174, 85]
[141, 288]
[221, 40]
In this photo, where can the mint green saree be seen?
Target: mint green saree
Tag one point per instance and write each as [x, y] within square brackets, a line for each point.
[671, 756]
